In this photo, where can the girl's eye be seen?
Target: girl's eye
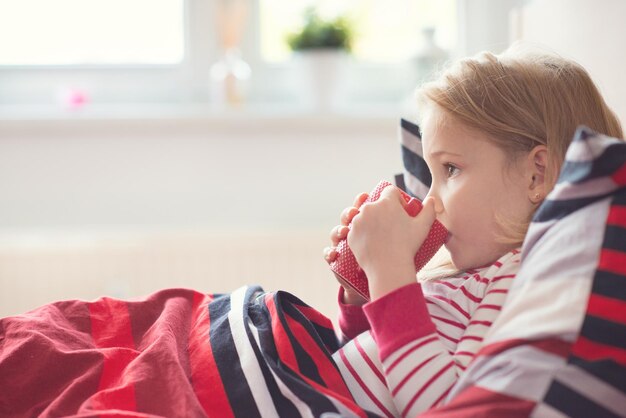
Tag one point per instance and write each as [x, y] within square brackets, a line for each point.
[452, 169]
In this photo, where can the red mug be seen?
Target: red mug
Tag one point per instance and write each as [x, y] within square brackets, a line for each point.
[346, 266]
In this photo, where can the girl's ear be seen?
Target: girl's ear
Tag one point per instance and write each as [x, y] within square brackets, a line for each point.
[537, 161]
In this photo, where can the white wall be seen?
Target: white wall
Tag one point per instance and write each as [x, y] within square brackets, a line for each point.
[243, 172]
[592, 32]
[123, 207]
[484, 25]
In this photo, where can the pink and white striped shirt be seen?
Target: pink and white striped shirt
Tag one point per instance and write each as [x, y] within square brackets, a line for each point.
[408, 348]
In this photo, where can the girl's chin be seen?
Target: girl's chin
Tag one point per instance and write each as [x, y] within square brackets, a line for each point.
[455, 253]
[449, 244]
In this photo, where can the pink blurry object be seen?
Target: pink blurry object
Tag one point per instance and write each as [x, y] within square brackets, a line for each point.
[73, 98]
[346, 266]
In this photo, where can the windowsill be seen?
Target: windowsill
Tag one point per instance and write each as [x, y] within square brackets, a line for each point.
[258, 111]
[246, 117]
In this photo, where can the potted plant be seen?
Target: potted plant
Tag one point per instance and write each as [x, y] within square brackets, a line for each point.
[319, 34]
[321, 48]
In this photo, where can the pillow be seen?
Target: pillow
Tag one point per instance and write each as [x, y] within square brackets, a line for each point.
[416, 178]
[558, 347]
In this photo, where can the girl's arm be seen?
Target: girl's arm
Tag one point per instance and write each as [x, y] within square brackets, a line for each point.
[351, 320]
[421, 357]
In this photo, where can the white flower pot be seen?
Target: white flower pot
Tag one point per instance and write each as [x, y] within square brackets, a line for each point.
[323, 79]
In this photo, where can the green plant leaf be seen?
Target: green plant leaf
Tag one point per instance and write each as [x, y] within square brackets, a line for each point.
[318, 33]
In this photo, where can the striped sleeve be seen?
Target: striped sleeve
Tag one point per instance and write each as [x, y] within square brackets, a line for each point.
[351, 320]
[408, 369]
[422, 365]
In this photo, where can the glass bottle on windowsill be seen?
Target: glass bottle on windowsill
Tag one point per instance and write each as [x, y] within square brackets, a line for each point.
[230, 77]
[429, 57]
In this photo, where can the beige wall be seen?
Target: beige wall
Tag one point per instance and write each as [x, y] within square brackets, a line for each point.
[92, 207]
[590, 31]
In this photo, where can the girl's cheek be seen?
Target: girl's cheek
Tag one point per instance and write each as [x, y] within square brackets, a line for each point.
[445, 209]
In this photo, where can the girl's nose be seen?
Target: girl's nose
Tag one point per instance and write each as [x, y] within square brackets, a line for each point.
[437, 200]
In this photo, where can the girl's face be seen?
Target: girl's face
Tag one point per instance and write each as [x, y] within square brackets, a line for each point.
[472, 182]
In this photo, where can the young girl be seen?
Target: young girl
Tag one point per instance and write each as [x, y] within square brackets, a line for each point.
[495, 129]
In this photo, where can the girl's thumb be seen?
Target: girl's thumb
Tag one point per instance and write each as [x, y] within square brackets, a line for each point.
[428, 214]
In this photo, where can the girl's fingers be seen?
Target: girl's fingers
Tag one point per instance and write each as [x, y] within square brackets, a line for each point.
[360, 199]
[394, 193]
[338, 233]
[330, 254]
[334, 235]
[347, 215]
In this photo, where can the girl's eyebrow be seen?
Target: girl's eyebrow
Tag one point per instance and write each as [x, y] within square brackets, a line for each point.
[440, 152]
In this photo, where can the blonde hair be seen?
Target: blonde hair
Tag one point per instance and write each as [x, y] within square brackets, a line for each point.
[520, 99]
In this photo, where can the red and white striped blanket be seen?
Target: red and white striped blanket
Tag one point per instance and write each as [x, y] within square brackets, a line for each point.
[176, 353]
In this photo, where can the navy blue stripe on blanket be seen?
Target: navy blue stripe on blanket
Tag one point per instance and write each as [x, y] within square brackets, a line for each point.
[287, 305]
[587, 367]
[260, 317]
[613, 286]
[416, 165]
[249, 332]
[324, 336]
[317, 401]
[604, 165]
[288, 376]
[411, 127]
[615, 244]
[582, 166]
[227, 360]
[557, 209]
[609, 284]
[417, 178]
[255, 314]
[574, 404]
[603, 331]
[605, 370]
[399, 181]
[305, 362]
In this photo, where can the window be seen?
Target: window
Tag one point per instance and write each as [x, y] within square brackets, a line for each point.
[388, 36]
[55, 54]
[161, 51]
[388, 31]
[91, 32]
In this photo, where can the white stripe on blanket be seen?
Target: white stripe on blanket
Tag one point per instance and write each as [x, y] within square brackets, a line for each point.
[552, 300]
[594, 187]
[589, 149]
[415, 186]
[497, 373]
[411, 141]
[546, 411]
[593, 388]
[303, 409]
[248, 359]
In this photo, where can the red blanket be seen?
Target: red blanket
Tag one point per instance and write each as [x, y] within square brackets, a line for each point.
[177, 353]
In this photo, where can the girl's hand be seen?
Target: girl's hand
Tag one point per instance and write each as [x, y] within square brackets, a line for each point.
[385, 239]
[337, 234]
